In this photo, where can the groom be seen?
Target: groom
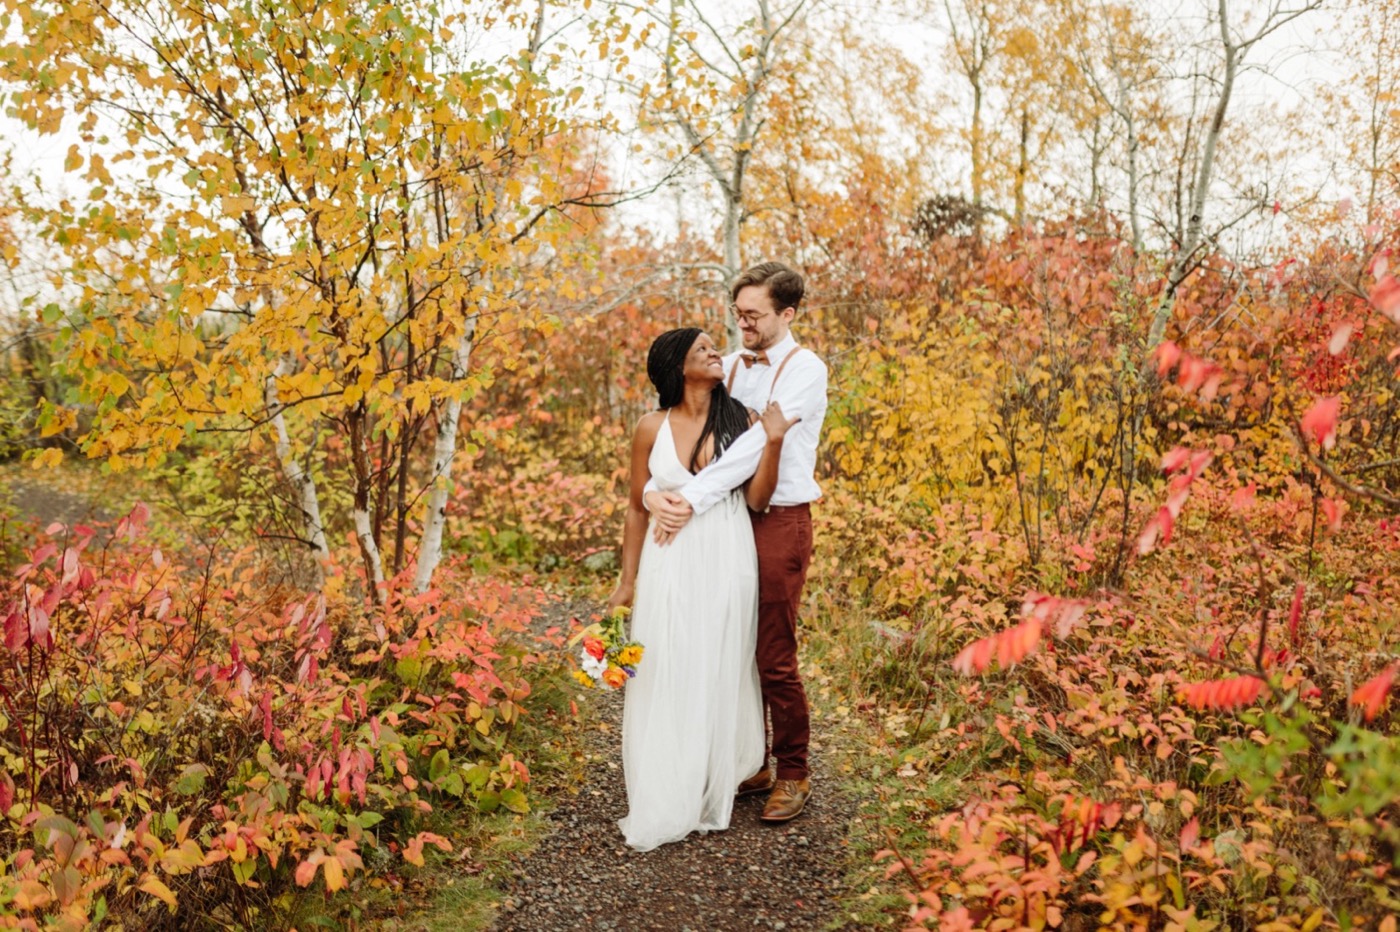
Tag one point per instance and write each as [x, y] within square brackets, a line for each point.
[771, 367]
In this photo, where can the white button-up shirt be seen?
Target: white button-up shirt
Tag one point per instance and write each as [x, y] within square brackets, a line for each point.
[801, 391]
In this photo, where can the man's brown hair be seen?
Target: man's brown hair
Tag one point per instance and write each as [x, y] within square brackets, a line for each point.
[783, 283]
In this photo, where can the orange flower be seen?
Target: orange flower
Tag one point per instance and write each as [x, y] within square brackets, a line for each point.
[594, 647]
[614, 677]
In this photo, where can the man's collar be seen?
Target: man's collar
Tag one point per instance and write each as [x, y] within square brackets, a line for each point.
[778, 351]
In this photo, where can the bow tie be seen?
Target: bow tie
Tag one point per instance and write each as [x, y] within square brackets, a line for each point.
[749, 359]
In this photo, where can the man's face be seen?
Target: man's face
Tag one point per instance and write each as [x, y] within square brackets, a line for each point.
[761, 325]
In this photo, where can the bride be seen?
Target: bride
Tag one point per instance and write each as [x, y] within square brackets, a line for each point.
[692, 725]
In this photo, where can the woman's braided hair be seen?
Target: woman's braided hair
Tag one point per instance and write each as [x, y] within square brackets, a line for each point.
[665, 361]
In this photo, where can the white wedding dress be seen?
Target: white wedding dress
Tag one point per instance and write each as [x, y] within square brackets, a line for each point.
[692, 725]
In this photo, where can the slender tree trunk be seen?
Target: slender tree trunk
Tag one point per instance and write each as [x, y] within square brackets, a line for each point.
[733, 212]
[1130, 125]
[444, 452]
[978, 169]
[1186, 249]
[1022, 168]
[364, 523]
[299, 477]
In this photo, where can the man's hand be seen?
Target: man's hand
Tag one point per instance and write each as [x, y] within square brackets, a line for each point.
[671, 513]
[775, 424]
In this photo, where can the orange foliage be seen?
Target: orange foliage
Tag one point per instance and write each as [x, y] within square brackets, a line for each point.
[1222, 694]
[182, 735]
[1371, 695]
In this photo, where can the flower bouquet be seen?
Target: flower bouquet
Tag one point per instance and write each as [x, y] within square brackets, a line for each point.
[607, 658]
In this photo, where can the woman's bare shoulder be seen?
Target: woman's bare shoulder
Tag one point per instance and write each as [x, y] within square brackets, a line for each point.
[649, 424]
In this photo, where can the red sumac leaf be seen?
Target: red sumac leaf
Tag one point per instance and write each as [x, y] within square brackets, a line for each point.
[1320, 423]
[1371, 695]
[1295, 615]
[1167, 354]
[1222, 694]
[1007, 648]
[1385, 296]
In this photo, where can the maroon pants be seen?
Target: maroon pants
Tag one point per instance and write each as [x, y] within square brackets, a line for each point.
[783, 537]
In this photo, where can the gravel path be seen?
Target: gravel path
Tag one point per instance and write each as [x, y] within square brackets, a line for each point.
[44, 504]
[753, 876]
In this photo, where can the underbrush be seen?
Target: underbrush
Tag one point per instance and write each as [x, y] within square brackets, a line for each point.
[1123, 770]
[187, 746]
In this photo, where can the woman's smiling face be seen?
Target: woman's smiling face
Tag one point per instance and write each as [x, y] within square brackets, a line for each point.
[703, 361]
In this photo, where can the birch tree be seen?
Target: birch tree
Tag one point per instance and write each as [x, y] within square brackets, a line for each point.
[1233, 49]
[295, 216]
[718, 67]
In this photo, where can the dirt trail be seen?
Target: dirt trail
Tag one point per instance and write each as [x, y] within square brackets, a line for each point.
[753, 876]
[43, 504]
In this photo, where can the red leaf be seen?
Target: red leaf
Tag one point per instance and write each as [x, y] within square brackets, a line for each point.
[1175, 459]
[1007, 648]
[1222, 694]
[1340, 338]
[1167, 354]
[306, 872]
[1190, 834]
[1167, 520]
[1147, 540]
[1333, 509]
[1320, 423]
[1385, 295]
[1242, 499]
[1371, 695]
[1295, 615]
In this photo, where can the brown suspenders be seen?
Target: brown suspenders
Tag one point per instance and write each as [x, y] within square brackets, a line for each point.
[777, 375]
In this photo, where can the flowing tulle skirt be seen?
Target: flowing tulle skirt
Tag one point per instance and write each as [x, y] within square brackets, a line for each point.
[692, 725]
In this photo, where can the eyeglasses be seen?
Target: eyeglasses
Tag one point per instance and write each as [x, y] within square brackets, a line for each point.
[746, 317]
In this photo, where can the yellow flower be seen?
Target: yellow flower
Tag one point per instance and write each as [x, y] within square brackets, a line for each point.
[583, 678]
[630, 655]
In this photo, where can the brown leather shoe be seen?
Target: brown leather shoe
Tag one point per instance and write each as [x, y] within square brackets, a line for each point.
[787, 800]
[760, 782]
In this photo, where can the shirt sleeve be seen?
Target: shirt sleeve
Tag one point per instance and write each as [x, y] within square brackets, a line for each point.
[651, 486]
[731, 470]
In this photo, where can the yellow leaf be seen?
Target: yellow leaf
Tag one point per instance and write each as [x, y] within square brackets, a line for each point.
[152, 885]
[32, 895]
[335, 874]
[48, 459]
[233, 206]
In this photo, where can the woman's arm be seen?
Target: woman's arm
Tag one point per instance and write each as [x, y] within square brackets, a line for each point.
[634, 526]
[765, 480]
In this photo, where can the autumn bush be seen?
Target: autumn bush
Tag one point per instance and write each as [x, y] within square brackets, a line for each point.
[1191, 731]
[185, 745]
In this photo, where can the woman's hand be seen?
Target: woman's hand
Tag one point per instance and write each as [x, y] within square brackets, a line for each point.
[775, 425]
[624, 594]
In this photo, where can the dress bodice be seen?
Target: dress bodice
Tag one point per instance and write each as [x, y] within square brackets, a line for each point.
[665, 464]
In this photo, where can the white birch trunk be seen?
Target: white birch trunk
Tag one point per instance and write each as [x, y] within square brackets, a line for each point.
[298, 476]
[733, 213]
[444, 452]
[1195, 221]
[364, 530]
